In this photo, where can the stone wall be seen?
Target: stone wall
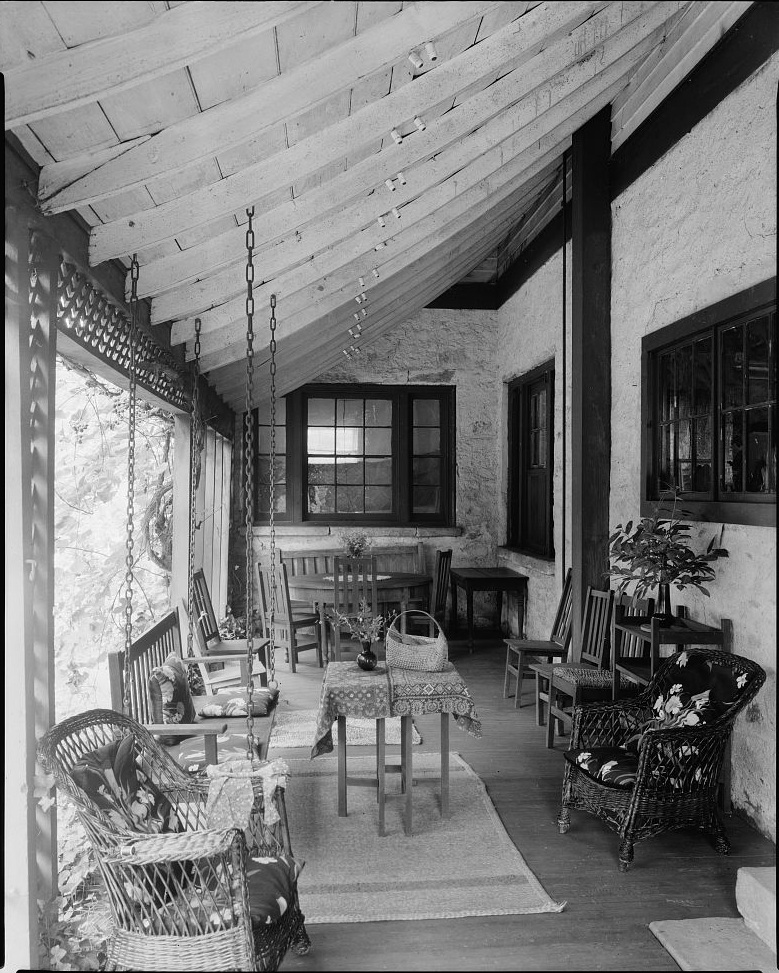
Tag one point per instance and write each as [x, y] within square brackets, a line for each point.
[435, 347]
[699, 226]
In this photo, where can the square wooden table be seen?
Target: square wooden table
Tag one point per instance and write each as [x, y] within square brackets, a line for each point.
[348, 691]
[495, 579]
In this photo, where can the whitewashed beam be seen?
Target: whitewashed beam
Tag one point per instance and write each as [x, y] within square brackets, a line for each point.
[472, 186]
[679, 60]
[474, 67]
[84, 74]
[278, 100]
[526, 91]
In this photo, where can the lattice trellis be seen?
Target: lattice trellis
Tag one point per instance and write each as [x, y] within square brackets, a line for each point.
[99, 326]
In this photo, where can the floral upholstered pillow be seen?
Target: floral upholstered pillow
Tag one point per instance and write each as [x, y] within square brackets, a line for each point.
[110, 777]
[229, 704]
[272, 884]
[169, 695]
[614, 766]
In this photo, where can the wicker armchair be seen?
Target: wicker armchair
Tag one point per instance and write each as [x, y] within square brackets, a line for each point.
[652, 763]
[184, 898]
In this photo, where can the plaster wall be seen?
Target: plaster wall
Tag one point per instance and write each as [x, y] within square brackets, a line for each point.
[434, 347]
[530, 332]
[700, 225]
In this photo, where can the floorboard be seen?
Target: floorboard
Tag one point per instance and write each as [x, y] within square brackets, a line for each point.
[605, 925]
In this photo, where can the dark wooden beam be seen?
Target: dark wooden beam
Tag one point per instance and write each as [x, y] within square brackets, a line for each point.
[736, 56]
[591, 360]
[470, 296]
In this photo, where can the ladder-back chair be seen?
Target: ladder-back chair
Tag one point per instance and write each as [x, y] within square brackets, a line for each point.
[185, 893]
[354, 583]
[519, 651]
[288, 622]
[438, 594]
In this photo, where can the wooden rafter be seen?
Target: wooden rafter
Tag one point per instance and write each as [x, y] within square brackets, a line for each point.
[178, 37]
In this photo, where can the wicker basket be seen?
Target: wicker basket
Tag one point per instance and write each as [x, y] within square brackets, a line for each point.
[423, 652]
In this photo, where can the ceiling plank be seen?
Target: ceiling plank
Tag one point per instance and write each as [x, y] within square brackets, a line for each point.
[439, 183]
[673, 68]
[468, 70]
[83, 75]
[457, 138]
[295, 90]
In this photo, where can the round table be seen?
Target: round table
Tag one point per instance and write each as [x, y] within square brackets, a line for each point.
[400, 587]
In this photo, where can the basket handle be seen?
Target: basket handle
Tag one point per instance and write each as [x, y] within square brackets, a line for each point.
[416, 611]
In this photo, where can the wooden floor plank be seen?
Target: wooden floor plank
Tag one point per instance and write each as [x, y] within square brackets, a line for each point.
[605, 925]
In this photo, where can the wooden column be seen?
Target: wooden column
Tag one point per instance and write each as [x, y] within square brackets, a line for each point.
[591, 360]
[30, 344]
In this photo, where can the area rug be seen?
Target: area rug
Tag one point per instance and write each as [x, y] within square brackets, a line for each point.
[296, 728]
[464, 865]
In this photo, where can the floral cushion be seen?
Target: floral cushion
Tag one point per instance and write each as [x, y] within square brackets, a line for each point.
[170, 697]
[229, 704]
[614, 766]
[272, 884]
[112, 780]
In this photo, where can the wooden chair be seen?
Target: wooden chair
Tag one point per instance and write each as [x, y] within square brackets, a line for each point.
[588, 678]
[308, 561]
[354, 582]
[211, 642]
[185, 897]
[637, 764]
[148, 652]
[438, 593]
[288, 622]
[518, 651]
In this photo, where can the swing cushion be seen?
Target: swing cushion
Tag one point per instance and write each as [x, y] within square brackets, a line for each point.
[228, 704]
[112, 780]
[170, 698]
[272, 883]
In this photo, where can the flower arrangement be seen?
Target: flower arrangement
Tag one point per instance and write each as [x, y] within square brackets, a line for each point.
[356, 543]
[656, 552]
[364, 626]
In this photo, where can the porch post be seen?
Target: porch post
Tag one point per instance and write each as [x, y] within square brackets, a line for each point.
[179, 574]
[591, 360]
[30, 343]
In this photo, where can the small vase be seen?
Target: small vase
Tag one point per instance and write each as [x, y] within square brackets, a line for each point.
[663, 608]
[367, 659]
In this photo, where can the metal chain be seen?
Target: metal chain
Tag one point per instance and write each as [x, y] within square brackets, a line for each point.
[129, 559]
[249, 480]
[195, 445]
[272, 496]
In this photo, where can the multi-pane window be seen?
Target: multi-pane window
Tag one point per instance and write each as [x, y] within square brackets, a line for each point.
[712, 413]
[263, 475]
[530, 466]
[381, 454]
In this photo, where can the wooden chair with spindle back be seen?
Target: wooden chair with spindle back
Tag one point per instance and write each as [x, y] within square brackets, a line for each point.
[354, 583]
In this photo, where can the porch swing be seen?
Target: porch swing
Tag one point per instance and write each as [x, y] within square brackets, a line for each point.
[198, 868]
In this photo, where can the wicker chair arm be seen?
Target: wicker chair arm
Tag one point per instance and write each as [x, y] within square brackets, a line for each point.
[175, 847]
[681, 757]
[607, 724]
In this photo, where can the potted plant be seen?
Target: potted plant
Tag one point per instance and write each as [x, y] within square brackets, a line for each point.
[366, 628]
[355, 543]
[656, 553]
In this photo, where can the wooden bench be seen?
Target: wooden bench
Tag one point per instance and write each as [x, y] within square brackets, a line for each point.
[400, 558]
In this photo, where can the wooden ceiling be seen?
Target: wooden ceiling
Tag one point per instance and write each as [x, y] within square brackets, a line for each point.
[388, 149]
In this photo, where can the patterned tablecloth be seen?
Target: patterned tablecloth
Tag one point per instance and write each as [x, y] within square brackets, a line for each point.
[348, 691]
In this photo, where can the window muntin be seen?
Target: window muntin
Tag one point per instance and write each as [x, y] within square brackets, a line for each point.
[713, 413]
[264, 465]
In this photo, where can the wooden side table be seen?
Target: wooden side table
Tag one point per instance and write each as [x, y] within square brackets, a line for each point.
[488, 579]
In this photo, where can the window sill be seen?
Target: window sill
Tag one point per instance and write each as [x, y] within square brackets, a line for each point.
[749, 514]
[324, 530]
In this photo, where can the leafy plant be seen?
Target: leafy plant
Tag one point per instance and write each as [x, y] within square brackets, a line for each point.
[363, 626]
[356, 543]
[656, 551]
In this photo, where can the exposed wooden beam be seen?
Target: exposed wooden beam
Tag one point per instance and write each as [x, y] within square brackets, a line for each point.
[294, 91]
[677, 63]
[537, 87]
[69, 79]
[433, 91]
[312, 286]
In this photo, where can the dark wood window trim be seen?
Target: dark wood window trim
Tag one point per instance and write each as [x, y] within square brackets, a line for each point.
[402, 397]
[519, 466]
[758, 510]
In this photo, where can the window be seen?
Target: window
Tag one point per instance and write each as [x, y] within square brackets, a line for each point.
[531, 438]
[710, 408]
[361, 454]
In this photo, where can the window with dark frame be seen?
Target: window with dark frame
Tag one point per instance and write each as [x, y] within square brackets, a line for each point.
[709, 400]
[361, 454]
[531, 462]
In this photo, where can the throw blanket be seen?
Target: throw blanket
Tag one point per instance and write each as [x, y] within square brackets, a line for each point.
[231, 794]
